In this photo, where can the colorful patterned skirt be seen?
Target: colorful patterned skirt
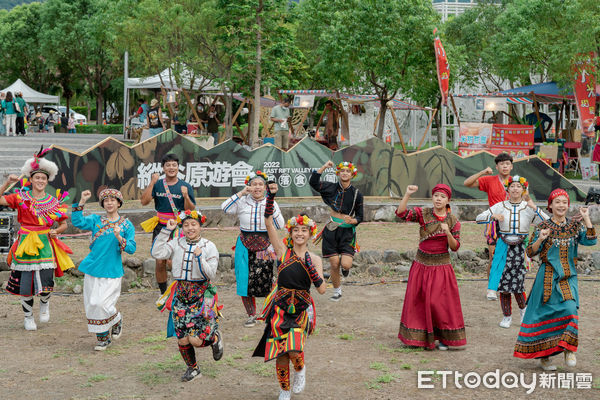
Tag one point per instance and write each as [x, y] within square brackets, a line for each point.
[189, 311]
[432, 309]
[548, 328]
[509, 268]
[254, 264]
[286, 326]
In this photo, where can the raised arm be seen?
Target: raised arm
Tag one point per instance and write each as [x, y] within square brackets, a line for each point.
[271, 230]
[12, 179]
[162, 248]
[473, 180]
[410, 189]
[78, 219]
[188, 201]
[147, 193]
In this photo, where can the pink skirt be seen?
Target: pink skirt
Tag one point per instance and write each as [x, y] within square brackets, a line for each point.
[432, 309]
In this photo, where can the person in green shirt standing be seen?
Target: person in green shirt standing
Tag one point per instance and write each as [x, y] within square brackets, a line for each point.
[280, 115]
[22, 109]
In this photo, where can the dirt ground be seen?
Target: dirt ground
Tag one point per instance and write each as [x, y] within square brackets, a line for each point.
[354, 353]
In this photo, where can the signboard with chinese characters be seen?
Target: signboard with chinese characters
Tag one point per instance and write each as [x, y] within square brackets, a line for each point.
[585, 93]
[516, 140]
[221, 170]
[474, 137]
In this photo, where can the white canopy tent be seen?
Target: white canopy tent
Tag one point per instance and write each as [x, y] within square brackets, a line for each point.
[166, 79]
[30, 95]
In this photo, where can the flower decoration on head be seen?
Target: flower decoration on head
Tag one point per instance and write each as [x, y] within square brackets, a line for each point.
[516, 178]
[300, 220]
[194, 214]
[346, 165]
[257, 174]
[39, 164]
[114, 193]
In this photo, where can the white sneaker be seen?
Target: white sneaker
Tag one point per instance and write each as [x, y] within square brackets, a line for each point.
[505, 323]
[284, 394]
[522, 312]
[44, 312]
[491, 295]
[570, 358]
[546, 364]
[299, 380]
[442, 346]
[30, 324]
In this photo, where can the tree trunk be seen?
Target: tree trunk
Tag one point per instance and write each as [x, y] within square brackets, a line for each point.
[251, 124]
[380, 128]
[228, 114]
[89, 110]
[253, 139]
[99, 104]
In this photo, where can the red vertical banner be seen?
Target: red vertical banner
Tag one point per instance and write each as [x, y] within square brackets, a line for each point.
[443, 69]
[585, 93]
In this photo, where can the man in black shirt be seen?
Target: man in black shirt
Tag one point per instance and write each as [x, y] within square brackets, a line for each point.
[339, 235]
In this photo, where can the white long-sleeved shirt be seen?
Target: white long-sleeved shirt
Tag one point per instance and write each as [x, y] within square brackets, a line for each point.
[518, 217]
[186, 265]
[251, 213]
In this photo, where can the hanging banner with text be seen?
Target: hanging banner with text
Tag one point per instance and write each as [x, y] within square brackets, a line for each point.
[585, 94]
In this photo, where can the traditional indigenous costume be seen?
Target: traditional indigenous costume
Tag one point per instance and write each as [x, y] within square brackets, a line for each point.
[35, 257]
[507, 274]
[289, 311]
[550, 324]
[192, 297]
[339, 238]
[103, 268]
[432, 307]
[168, 201]
[254, 255]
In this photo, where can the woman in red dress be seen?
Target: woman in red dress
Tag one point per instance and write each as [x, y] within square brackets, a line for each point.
[432, 308]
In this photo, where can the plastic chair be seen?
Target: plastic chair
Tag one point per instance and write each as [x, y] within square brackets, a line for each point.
[572, 159]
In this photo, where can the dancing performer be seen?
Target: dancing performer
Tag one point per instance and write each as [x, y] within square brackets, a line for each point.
[289, 311]
[194, 306]
[171, 195]
[493, 186]
[339, 235]
[37, 255]
[550, 324]
[103, 267]
[432, 307]
[254, 255]
[514, 217]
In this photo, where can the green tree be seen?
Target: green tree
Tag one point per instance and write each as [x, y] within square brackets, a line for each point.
[84, 32]
[258, 39]
[379, 46]
[22, 56]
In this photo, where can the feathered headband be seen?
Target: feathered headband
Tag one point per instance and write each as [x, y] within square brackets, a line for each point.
[39, 164]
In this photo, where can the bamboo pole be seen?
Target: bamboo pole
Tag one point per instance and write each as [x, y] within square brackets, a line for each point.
[376, 122]
[398, 129]
[189, 103]
[427, 129]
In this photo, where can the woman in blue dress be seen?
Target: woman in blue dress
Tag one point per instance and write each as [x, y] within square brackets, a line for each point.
[103, 267]
[550, 323]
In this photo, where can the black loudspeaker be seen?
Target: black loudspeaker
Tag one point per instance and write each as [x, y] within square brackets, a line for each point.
[593, 196]
[6, 232]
